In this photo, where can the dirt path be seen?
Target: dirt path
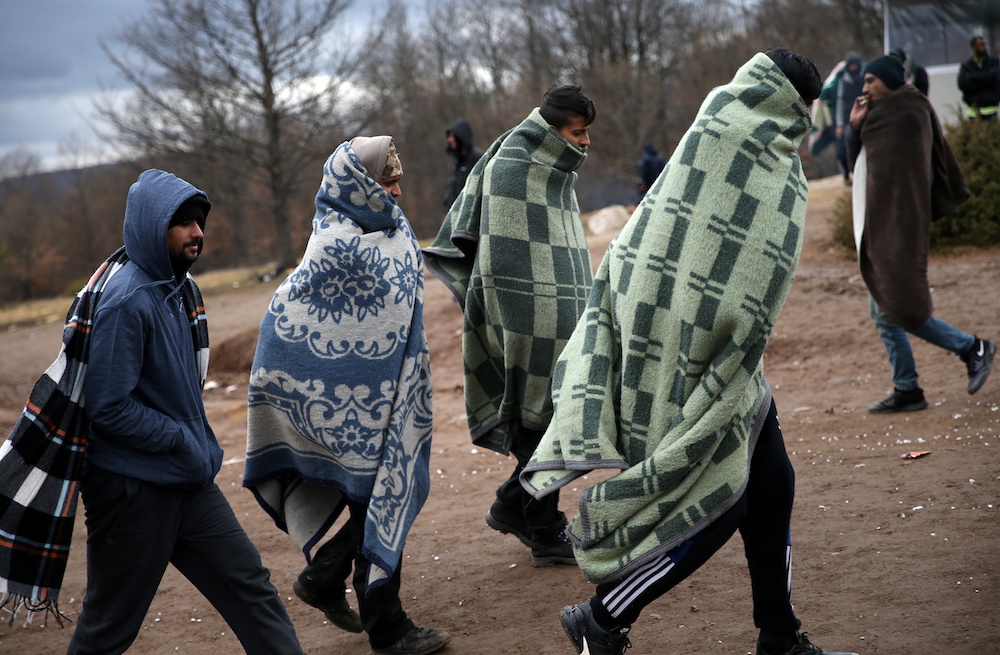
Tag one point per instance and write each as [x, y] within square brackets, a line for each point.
[892, 556]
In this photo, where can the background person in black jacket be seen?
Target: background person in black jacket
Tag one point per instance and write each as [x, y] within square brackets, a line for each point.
[915, 73]
[465, 154]
[979, 81]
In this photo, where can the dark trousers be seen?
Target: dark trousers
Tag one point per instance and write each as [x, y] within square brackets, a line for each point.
[540, 517]
[763, 517]
[382, 615]
[331, 565]
[135, 529]
[843, 163]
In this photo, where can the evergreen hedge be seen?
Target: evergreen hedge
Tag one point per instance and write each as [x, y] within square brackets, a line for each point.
[977, 223]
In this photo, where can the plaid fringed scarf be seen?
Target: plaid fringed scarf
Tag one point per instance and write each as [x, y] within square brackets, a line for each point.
[42, 458]
[663, 377]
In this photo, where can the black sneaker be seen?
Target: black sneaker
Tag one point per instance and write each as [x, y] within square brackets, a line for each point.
[508, 525]
[336, 610]
[803, 647]
[588, 637]
[900, 401]
[418, 641]
[552, 548]
[978, 361]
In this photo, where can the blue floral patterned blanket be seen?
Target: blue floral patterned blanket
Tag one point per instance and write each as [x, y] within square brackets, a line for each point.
[340, 390]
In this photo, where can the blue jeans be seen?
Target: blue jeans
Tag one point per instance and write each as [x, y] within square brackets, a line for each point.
[897, 344]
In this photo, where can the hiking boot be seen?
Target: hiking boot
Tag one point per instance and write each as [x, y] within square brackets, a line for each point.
[336, 610]
[507, 524]
[978, 361]
[803, 647]
[588, 637]
[900, 401]
[417, 641]
[552, 548]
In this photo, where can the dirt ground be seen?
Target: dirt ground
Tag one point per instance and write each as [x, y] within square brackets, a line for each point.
[892, 556]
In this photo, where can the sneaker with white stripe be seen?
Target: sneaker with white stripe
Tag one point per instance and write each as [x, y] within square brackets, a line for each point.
[590, 638]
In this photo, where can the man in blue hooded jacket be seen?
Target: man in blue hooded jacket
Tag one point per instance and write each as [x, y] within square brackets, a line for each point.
[151, 458]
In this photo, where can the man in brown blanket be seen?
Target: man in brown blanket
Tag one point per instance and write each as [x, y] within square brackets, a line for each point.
[905, 176]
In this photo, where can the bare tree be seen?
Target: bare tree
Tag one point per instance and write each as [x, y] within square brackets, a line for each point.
[32, 252]
[627, 54]
[250, 87]
[861, 23]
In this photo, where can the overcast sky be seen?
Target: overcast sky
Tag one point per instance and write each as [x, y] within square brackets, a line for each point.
[52, 69]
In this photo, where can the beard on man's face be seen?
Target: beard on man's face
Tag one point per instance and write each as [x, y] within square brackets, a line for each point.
[180, 263]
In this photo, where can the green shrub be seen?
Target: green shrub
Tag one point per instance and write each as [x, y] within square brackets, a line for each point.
[976, 144]
[842, 224]
[977, 223]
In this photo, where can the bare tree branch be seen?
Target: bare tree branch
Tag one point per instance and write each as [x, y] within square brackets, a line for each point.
[245, 82]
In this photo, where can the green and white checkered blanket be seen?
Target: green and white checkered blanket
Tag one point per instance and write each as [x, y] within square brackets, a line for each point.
[663, 377]
[513, 251]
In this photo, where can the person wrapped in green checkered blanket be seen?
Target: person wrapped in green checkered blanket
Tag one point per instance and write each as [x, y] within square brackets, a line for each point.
[512, 250]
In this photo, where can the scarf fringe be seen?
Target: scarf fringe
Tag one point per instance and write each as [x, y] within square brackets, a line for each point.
[12, 604]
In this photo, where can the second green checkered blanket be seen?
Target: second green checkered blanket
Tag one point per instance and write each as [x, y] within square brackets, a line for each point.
[663, 377]
[513, 251]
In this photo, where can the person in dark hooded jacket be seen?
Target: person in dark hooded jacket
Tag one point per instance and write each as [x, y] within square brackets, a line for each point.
[151, 458]
[465, 154]
[848, 88]
[650, 165]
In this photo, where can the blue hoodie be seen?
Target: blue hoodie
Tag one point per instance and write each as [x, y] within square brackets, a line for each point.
[142, 386]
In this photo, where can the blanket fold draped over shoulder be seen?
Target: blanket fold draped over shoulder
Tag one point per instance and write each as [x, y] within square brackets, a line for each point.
[663, 377]
[512, 250]
[340, 390]
[42, 458]
[909, 177]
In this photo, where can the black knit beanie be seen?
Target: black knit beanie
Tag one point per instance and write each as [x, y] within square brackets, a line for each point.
[888, 69]
[194, 208]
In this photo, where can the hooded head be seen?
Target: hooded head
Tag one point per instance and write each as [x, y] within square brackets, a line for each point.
[185, 235]
[852, 61]
[378, 154]
[462, 132]
[153, 201]
[889, 69]
[800, 71]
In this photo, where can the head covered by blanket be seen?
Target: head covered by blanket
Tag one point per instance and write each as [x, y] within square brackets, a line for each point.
[513, 252]
[340, 390]
[906, 177]
[663, 376]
